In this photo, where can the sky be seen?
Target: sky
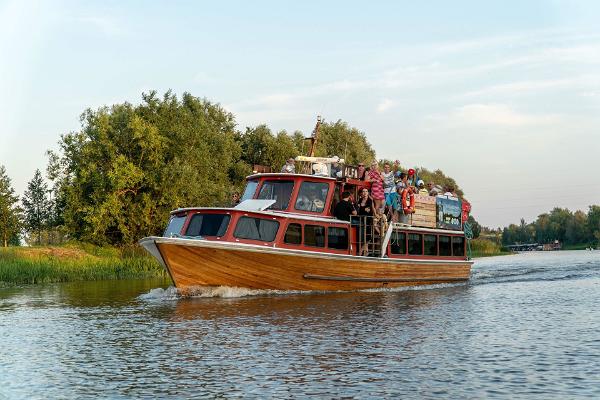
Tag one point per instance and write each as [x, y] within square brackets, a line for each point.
[502, 96]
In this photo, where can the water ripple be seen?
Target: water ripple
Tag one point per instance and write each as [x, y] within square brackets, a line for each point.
[525, 326]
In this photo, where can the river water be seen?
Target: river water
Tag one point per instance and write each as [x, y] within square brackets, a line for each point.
[525, 326]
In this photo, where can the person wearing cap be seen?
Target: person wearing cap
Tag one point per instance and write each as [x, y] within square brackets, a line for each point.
[289, 167]
[421, 188]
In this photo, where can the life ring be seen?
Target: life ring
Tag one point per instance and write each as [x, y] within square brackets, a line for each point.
[408, 204]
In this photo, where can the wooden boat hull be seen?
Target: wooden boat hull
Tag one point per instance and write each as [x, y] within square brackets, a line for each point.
[192, 262]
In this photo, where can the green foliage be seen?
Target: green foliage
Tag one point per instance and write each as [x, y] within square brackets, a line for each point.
[560, 224]
[259, 146]
[75, 262]
[36, 206]
[593, 224]
[128, 166]
[439, 178]
[10, 212]
[339, 139]
[475, 227]
[484, 248]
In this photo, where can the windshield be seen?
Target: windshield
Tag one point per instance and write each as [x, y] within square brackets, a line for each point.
[250, 190]
[175, 225]
[312, 196]
[280, 191]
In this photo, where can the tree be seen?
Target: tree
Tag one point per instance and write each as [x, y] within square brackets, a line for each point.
[10, 213]
[339, 139]
[129, 166]
[475, 227]
[593, 224]
[36, 206]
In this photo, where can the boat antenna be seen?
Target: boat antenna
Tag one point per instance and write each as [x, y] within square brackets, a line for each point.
[314, 137]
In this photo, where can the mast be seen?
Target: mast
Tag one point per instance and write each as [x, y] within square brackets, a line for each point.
[314, 137]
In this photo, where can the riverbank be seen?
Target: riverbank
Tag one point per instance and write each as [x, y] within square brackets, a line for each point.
[486, 248]
[75, 262]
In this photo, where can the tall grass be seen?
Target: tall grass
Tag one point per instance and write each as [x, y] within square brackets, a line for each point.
[75, 262]
[481, 247]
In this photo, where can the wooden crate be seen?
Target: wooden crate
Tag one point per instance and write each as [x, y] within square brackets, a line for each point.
[425, 211]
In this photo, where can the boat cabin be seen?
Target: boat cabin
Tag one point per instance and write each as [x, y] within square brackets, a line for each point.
[294, 211]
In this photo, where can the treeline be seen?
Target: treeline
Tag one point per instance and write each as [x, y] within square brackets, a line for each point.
[569, 228]
[116, 179]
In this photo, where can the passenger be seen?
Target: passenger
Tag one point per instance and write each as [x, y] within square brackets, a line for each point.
[365, 211]
[289, 167]
[421, 188]
[402, 183]
[411, 177]
[344, 209]
[450, 193]
[389, 189]
[335, 170]
[310, 202]
[235, 199]
[361, 171]
[365, 203]
[374, 176]
[431, 189]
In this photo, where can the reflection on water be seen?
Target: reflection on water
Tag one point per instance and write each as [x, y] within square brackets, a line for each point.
[524, 326]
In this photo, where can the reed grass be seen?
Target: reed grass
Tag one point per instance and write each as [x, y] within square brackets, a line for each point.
[481, 247]
[75, 262]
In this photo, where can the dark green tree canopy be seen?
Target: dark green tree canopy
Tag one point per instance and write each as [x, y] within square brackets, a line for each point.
[340, 139]
[560, 224]
[128, 166]
[10, 213]
[36, 205]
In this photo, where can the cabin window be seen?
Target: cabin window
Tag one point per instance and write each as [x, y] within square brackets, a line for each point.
[445, 246]
[314, 235]
[337, 238]
[264, 230]
[430, 245]
[280, 191]
[293, 234]
[458, 246]
[415, 245]
[250, 190]
[175, 225]
[208, 225]
[398, 243]
[312, 196]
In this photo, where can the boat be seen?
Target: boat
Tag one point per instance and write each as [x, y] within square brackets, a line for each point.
[283, 236]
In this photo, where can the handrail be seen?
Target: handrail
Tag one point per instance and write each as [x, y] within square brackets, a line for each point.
[386, 240]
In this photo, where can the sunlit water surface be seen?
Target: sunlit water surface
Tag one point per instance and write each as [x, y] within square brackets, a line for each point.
[525, 326]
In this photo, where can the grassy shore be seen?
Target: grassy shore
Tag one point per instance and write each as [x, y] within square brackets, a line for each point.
[75, 262]
[486, 248]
